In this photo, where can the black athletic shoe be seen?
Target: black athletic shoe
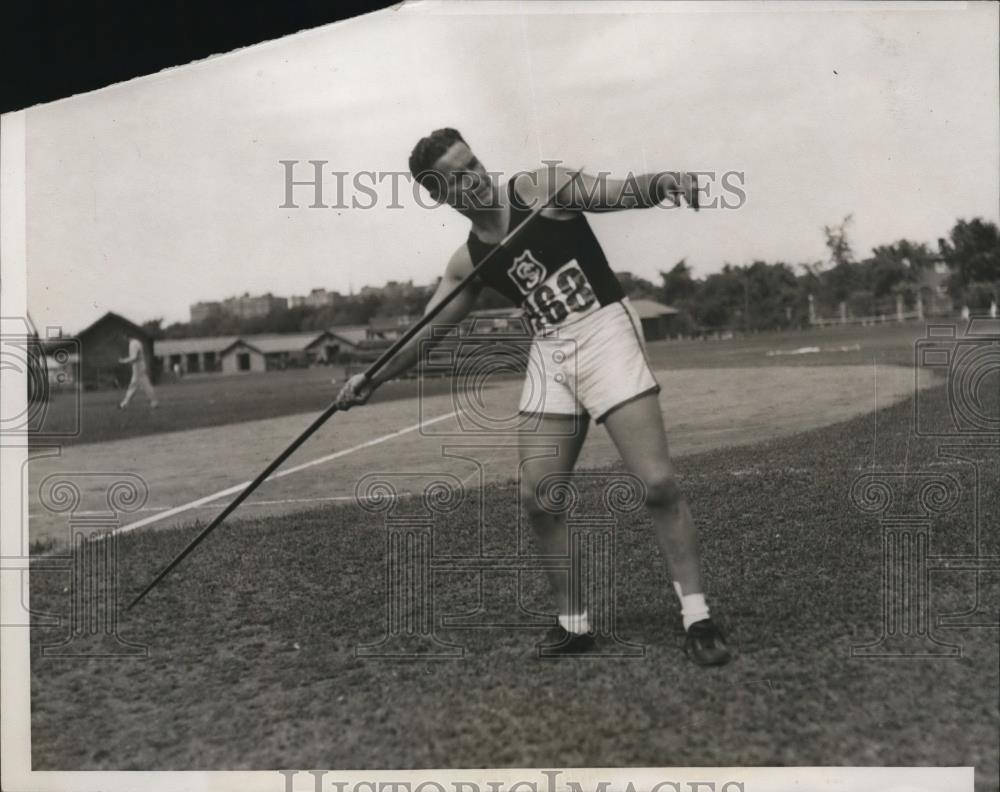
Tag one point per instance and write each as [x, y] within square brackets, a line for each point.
[706, 644]
[559, 641]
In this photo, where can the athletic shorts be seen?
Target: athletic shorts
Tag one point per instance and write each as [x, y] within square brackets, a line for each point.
[589, 367]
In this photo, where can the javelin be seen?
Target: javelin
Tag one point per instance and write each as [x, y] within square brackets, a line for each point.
[369, 373]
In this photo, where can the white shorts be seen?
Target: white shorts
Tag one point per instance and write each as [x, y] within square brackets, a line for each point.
[590, 366]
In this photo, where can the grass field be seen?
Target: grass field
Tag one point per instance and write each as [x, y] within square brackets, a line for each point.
[192, 473]
[212, 401]
[252, 643]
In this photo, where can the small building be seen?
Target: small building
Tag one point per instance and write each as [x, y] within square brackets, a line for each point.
[388, 328]
[349, 343]
[264, 352]
[241, 357]
[278, 351]
[91, 358]
[655, 318]
[317, 298]
[192, 355]
[201, 311]
[245, 307]
[351, 335]
[251, 307]
[359, 342]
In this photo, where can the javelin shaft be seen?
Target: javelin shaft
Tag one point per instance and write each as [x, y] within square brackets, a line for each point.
[370, 372]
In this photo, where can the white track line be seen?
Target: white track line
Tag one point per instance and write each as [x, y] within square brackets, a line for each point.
[282, 501]
[236, 488]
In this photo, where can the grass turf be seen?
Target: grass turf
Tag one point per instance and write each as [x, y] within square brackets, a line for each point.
[252, 641]
[209, 400]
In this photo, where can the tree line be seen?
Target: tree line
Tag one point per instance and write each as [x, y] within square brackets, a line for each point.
[758, 296]
[776, 295]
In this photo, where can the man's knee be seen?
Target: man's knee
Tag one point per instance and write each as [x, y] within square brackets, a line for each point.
[663, 492]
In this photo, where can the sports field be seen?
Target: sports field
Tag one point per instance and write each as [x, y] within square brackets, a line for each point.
[211, 401]
[253, 657]
[212, 434]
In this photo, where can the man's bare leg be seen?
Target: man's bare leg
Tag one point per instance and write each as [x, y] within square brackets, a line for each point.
[147, 388]
[129, 393]
[550, 449]
[637, 430]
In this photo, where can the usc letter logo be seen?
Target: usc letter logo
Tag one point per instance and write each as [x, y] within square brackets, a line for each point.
[526, 271]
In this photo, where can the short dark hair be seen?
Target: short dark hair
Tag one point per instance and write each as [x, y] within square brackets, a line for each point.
[428, 151]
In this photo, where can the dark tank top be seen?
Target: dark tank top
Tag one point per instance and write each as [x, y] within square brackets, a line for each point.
[555, 269]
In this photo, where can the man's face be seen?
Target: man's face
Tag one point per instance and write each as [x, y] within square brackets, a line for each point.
[463, 175]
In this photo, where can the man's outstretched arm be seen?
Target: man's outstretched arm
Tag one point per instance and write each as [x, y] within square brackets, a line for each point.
[601, 193]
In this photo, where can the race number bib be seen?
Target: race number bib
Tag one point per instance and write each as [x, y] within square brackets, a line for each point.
[564, 296]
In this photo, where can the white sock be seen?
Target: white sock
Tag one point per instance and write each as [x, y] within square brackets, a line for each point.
[575, 622]
[693, 606]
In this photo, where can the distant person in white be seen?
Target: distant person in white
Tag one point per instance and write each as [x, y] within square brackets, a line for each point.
[140, 377]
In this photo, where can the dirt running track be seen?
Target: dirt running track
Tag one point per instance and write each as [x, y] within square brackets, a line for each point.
[704, 409]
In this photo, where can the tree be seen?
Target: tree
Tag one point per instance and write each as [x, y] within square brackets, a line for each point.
[973, 253]
[637, 288]
[772, 300]
[890, 272]
[979, 295]
[153, 327]
[896, 268]
[844, 275]
[838, 243]
[678, 285]
[720, 299]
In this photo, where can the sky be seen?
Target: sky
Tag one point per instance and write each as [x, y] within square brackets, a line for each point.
[148, 196]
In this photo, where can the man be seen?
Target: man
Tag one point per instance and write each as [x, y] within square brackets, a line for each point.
[587, 341]
[140, 377]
